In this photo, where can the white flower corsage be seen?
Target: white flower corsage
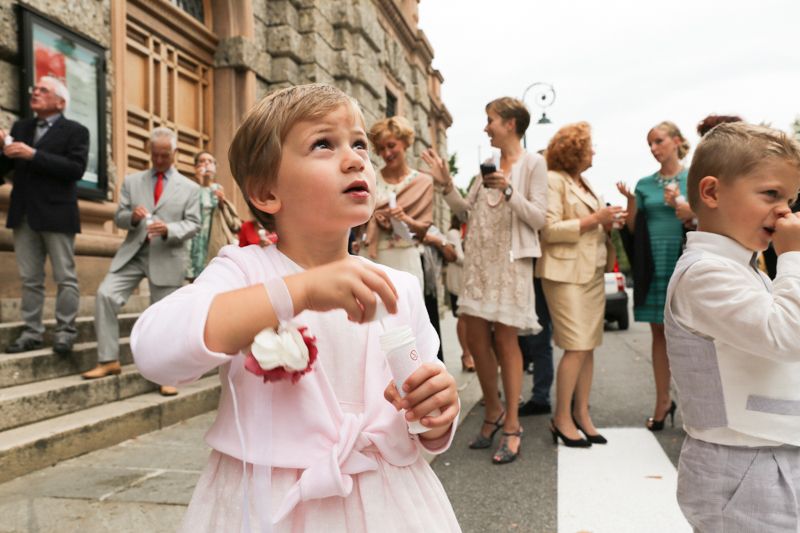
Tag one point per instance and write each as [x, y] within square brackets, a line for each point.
[283, 354]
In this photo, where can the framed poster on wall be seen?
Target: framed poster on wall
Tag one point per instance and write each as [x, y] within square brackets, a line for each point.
[51, 49]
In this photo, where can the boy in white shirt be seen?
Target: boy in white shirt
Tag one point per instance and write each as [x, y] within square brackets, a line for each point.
[733, 337]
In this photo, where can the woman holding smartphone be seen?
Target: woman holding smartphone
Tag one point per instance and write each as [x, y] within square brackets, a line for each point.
[211, 193]
[506, 206]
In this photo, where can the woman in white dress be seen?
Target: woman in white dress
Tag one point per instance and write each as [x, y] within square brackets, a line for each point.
[506, 208]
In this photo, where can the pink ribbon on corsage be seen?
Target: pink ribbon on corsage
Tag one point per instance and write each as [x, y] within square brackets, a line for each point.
[283, 354]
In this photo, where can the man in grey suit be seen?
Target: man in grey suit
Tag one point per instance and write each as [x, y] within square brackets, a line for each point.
[160, 208]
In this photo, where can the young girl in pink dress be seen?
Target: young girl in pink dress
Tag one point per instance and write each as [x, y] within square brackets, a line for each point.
[314, 443]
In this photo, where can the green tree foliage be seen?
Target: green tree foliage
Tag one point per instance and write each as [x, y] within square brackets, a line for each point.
[465, 191]
[622, 257]
[452, 164]
[796, 126]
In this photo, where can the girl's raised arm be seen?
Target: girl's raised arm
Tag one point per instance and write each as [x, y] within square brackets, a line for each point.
[236, 317]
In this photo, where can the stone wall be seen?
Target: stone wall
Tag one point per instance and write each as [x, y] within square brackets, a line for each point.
[348, 43]
[360, 46]
[344, 43]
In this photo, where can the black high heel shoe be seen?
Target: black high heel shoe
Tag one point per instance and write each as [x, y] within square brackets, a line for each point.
[594, 439]
[658, 425]
[569, 443]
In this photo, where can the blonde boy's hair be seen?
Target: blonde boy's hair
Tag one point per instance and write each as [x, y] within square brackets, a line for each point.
[509, 108]
[397, 126]
[735, 150]
[255, 152]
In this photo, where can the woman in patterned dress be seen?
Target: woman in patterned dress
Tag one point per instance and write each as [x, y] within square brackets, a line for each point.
[668, 147]
[196, 249]
[506, 208]
[390, 139]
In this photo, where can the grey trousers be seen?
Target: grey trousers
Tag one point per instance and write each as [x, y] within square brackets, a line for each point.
[734, 489]
[113, 293]
[31, 249]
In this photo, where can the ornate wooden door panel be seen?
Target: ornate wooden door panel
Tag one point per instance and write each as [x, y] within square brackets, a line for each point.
[168, 82]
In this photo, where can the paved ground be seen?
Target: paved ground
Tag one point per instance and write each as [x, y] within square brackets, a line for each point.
[523, 496]
[144, 484]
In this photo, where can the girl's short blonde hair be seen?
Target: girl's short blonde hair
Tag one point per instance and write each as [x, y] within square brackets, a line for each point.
[400, 127]
[255, 152]
[569, 147]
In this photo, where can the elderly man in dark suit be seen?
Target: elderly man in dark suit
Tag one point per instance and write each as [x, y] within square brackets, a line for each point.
[160, 208]
[48, 155]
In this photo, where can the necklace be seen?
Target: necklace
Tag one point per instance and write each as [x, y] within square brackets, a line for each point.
[489, 198]
[663, 180]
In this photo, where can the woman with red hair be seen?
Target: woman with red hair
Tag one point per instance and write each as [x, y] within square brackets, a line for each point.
[575, 254]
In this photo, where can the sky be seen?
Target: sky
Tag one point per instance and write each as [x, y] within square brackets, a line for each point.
[622, 66]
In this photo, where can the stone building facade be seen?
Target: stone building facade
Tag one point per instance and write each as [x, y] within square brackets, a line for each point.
[198, 65]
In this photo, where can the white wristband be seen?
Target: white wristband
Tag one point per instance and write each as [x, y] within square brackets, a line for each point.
[681, 199]
[280, 298]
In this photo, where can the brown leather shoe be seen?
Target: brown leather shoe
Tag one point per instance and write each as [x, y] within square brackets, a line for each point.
[166, 390]
[102, 370]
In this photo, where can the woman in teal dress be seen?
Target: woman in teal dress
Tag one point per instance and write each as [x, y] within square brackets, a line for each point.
[668, 147]
[196, 249]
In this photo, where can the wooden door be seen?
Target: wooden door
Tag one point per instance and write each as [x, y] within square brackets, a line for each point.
[169, 84]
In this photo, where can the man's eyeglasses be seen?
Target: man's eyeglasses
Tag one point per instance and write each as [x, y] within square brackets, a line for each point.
[42, 90]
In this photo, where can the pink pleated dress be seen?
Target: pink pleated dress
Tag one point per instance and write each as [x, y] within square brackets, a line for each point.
[390, 499]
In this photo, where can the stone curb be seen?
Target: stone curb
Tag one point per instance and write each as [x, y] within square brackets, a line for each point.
[45, 443]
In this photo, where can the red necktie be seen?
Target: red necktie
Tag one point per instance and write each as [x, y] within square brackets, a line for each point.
[159, 187]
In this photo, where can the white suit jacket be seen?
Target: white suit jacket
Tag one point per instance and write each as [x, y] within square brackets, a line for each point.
[178, 206]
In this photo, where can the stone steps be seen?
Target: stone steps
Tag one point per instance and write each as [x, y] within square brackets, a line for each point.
[10, 331]
[9, 307]
[41, 444]
[48, 413]
[39, 365]
[34, 402]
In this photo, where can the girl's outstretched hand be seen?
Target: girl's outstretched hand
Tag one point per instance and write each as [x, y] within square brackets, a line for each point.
[350, 284]
[440, 170]
[428, 388]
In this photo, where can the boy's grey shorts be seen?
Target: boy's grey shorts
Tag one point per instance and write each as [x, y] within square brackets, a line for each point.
[733, 489]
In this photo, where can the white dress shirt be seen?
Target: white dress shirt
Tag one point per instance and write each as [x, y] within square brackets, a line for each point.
[722, 298]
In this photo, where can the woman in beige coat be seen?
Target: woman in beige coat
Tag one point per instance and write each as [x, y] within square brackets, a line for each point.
[575, 254]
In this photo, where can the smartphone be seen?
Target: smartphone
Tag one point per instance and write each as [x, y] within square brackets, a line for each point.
[486, 169]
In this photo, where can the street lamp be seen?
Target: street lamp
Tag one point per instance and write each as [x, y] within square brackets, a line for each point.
[545, 96]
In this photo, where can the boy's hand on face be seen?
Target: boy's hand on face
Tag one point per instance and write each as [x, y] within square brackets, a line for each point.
[787, 234]
[350, 284]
